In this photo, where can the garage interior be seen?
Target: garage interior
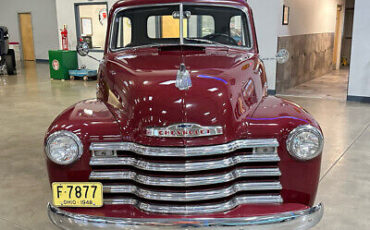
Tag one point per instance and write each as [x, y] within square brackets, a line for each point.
[336, 94]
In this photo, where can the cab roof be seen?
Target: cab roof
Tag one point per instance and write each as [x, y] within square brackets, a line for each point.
[127, 3]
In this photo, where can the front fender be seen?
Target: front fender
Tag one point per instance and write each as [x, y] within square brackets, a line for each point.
[276, 118]
[91, 121]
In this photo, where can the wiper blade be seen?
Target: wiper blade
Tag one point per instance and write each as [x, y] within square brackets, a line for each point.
[202, 40]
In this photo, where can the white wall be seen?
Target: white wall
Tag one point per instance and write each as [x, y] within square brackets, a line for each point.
[43, 21]
[309, 17]
[359, 78]
[267, 17]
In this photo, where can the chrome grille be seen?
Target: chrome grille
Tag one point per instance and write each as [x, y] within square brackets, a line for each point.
[197, 208]
[187, 180]
[181, 181]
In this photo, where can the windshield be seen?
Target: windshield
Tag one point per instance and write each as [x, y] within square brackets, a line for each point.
[161, 25]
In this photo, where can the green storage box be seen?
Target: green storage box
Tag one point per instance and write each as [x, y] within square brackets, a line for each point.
[60, 62]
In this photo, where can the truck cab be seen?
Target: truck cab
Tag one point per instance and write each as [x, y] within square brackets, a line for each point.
[183, 133]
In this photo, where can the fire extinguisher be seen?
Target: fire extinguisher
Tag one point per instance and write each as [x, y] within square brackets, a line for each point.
[64, 34]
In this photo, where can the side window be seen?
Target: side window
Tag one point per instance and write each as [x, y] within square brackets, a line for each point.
[237, 31]
[124, 33]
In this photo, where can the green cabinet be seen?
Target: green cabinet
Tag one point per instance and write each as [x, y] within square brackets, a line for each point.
[60, 62]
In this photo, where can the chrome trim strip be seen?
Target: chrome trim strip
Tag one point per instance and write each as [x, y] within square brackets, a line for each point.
[302, 220]
[197, 209]
[181, 24]
[182, 167]
[193, 196]
[186, 151]
[185, 181]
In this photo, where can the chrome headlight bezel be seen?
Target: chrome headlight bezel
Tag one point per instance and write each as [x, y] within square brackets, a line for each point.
[52, 137]
[302, 129]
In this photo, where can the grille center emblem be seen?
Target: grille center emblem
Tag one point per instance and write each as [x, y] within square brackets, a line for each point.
[184, 130]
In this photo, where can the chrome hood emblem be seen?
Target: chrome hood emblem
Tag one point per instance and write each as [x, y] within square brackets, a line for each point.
[184, 130]
[183, 80]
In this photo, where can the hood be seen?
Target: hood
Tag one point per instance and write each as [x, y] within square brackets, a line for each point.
[146, 82]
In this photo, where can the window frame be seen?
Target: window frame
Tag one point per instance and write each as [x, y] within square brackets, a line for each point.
[248, 31]
[78, 21]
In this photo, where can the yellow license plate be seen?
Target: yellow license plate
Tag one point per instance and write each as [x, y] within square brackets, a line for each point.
[83, 195]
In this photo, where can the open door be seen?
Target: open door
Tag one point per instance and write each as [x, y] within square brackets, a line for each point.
[25, 25]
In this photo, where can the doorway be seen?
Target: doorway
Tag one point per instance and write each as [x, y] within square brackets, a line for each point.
[337, 37]
[347, 34]
[26, 30]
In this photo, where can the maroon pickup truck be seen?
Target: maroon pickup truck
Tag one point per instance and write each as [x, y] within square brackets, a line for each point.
[183, 134]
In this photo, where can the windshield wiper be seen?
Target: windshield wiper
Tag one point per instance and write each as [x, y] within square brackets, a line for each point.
[200, 40]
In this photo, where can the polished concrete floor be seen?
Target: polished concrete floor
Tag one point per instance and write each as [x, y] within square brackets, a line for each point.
[330, 86]
[30, 101]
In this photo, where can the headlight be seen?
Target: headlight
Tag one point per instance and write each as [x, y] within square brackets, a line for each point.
[63, 147]
[305, 142]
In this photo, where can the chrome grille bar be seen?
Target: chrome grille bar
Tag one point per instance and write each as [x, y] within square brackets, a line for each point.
[192, 196]
[196, 209]
[185, 181]
[183, 167]
[184, 152]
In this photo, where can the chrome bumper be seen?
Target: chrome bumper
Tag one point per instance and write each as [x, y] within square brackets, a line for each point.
[299, 220]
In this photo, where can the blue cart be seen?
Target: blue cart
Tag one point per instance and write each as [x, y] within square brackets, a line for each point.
[85, 74]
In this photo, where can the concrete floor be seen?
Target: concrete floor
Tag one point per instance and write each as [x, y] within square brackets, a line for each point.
[330, 86]
[30, 101]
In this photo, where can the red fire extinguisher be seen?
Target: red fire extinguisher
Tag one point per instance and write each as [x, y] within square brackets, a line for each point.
[64, 34]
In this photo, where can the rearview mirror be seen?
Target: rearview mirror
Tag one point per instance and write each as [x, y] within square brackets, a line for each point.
[82, 48]
[282, 56]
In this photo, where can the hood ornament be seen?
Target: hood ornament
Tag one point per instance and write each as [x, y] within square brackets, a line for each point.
[184, 130]
[183, 80]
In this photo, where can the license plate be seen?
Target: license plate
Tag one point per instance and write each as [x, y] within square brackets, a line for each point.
[83, 195]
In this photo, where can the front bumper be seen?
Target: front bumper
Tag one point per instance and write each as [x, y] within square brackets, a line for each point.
[299, 220]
